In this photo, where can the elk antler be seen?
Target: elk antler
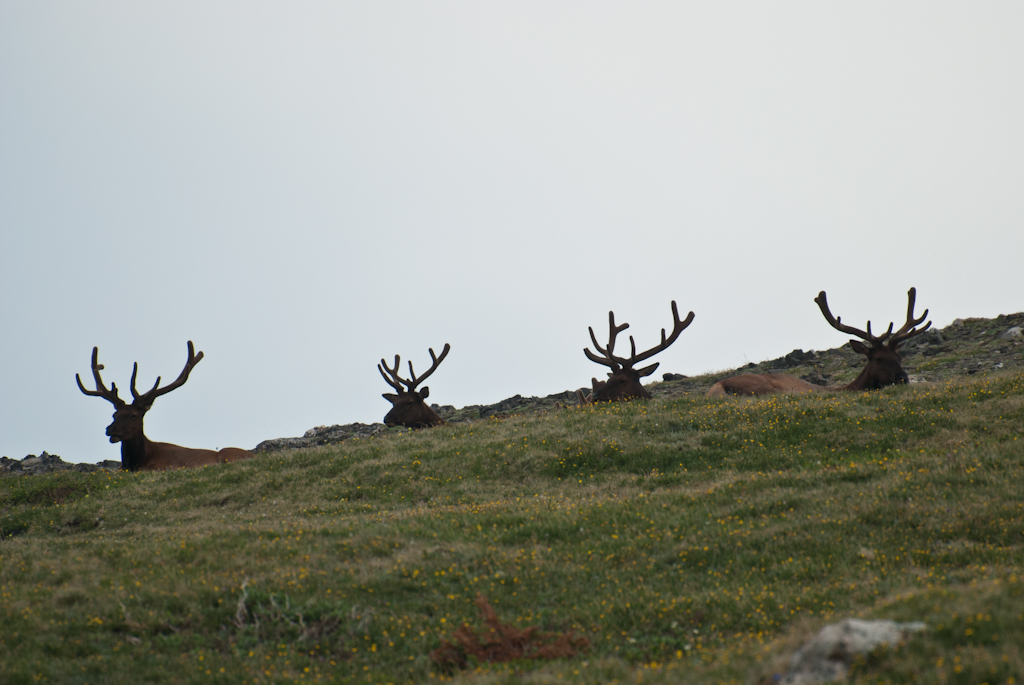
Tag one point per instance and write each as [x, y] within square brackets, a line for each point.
[902, 334]
[909, 328]
[837, 324]
[396, 381]
[146, 399]
[609, 359]
[101, 389]
[616, 363]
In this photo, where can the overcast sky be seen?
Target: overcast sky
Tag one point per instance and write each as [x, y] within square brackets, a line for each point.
[303, 188]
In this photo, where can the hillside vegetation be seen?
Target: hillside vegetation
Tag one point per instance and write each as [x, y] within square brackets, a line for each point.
[686, 539]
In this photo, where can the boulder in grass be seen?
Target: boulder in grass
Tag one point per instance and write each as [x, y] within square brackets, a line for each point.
[827, 657]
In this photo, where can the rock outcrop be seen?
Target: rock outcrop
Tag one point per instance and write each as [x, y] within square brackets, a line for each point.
[322, 435]
[48, 463]
[827, 657]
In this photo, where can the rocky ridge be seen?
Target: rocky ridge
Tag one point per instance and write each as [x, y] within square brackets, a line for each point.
[48, 463]
[965, 347]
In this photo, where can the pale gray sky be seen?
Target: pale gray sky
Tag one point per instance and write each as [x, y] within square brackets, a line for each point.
[303, 188]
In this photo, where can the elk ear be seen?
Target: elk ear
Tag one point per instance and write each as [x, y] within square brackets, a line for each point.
[859, 347]
[647, 370]
[424, 393]
[390, 397]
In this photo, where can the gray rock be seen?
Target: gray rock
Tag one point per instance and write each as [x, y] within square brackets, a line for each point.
[794, 358]
[322, 435]
[827, 657]
[816, 377]
[444, 411]
[504, 407]
[673, 377]
[1015, 332]
[49, 463]
[517, 404]
[928, 343]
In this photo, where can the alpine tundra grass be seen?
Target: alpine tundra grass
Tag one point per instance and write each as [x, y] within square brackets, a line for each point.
[691, 540]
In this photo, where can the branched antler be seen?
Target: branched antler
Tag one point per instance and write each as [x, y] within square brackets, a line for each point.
[101, 389]
[145, 400]
[616, 363]
[907, 331]
[837, 323]
[608, 359]
[396, 381]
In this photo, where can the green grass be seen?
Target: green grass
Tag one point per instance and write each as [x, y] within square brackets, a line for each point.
[695, 536]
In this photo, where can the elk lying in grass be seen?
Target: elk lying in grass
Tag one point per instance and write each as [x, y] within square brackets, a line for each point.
[408, 408]
[884, 366]
[139, 453]
[623, 380]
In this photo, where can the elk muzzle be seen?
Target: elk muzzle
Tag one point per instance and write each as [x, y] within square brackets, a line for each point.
[113, 432]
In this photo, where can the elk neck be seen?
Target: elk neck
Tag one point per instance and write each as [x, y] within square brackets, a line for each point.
[858, 383]
[133, 452]
[871, 379]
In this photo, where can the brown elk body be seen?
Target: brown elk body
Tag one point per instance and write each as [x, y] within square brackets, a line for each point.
[408, 408]
[623, 380]
[139, 453]
[884, 367]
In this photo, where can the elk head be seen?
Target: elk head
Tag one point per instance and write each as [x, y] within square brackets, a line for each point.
[127, 425]
[623, 380]
[884, 361]
[409, 408]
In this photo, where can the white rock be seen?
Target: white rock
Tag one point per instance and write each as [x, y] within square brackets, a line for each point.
[827, 657]
[1015, 332]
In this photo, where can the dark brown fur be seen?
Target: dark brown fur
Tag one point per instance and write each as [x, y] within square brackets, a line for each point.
[139, 453]
[623, 380]
[408, 408]
[884, 367]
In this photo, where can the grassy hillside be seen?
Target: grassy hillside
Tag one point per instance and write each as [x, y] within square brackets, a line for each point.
[685, 539]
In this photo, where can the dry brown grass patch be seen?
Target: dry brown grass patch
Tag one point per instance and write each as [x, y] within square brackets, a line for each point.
[501, 642]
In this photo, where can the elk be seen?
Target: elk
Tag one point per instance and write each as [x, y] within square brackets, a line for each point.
[408, 408]
[623, 380]
[139, 453]
[883, 369]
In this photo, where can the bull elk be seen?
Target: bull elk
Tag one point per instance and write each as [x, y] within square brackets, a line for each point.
[408, 408]
[139, 453]
[623, 380]
[883, 369]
